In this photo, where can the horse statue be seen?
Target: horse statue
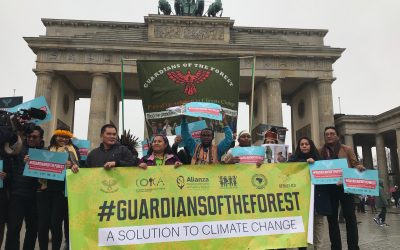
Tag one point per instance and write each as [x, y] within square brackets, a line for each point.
[214, 8]
[198, 10]
[178, 5]
[164, 7]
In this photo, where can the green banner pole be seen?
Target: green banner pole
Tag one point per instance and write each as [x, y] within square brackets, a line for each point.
[253, 69]
[123, 93]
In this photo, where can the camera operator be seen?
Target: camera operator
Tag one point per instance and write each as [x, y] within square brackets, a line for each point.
[22, 189]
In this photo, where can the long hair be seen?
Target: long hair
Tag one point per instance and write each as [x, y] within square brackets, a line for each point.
[167, 150]
[313, 150]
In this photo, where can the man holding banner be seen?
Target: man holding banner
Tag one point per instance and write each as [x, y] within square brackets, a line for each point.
[333, 149]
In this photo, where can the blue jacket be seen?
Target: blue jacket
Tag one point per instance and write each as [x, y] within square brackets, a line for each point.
[190, 143]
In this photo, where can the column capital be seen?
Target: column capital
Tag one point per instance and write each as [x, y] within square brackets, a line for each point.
[44, 72]
[325, 80]
[103, 74]
[270, 79]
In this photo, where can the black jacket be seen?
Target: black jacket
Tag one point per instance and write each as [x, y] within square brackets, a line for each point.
[322, 202]
[20, 185]
[118, 153]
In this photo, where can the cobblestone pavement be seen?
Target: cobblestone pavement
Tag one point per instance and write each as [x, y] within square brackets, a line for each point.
[372, 236]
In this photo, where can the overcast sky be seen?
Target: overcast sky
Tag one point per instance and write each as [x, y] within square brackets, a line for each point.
[367, 73]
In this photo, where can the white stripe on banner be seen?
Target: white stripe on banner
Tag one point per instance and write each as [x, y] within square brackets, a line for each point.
[199, 231]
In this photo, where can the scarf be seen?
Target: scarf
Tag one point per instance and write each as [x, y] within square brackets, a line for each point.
[331, 152]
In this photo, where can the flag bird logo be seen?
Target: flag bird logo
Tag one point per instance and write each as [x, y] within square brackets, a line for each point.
[189, 79]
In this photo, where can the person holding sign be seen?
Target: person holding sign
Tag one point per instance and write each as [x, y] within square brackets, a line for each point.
[333, 149]
[307, 152]
[22, 205]
[244, 140]
[51, 201]
[159, 154]
[205, 152]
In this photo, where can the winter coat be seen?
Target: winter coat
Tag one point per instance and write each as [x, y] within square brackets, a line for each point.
[151, 161]
[118, 153]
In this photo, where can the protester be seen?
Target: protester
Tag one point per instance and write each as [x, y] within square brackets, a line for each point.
[271, 136]
[22, 204]
[396, 196]
[110, 153]
[159, 154]
[244, 140]
[333, 149]
[371, 202]
[3, 202]
[307, 152]
[52, 204]
[382, 203]
[205, 152]
[183, 154]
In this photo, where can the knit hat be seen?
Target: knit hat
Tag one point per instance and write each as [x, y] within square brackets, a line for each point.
[243, 132]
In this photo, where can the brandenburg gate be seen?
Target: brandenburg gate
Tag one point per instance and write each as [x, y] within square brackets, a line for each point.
[82, 59]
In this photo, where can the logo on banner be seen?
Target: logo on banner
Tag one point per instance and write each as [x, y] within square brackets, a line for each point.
[259, 181]
[189, 79]
[228, 181]
[180, 181]
[7, 101]
[150, 184]
[192, 182]
[109, 186]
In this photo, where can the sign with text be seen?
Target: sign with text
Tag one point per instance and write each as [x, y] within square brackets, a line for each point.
[174, 83]
[38, 103]
[83, 146]
[191, 207]
[327, 171]
[364, 183]
[204, 109]
[252, 154]
[46, 164]
[195, 129]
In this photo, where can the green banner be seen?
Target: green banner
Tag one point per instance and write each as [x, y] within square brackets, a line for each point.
[191, 207]
[166, 84]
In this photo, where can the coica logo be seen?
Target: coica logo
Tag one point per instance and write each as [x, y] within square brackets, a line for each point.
[150, 182]
[259, 181]
[180, 181]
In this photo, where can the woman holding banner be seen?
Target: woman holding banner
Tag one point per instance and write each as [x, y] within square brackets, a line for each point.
[160, 154]
[307, 152]
[51, 201]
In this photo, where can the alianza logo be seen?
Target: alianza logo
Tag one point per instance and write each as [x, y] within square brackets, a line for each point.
[195, 179]
[192, 182]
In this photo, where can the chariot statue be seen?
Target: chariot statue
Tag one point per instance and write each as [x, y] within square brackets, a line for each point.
[190, 8]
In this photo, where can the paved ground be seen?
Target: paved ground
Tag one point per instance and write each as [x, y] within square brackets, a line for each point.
[372, 237]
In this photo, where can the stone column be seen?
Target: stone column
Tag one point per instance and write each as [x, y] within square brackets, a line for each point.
[348, 140]
[398, 153]
[43, 88]
[367, 156]
[274, 101]
[394, 163]
[382, 162]
[325, 106]
[98, 108]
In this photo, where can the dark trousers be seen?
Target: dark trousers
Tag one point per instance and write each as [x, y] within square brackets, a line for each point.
[66, 227]
[21, 208]
[51, 210]
[3, 212]
[337, 195]
[382, 214]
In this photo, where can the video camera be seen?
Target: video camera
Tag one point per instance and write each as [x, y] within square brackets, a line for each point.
[12, 123]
